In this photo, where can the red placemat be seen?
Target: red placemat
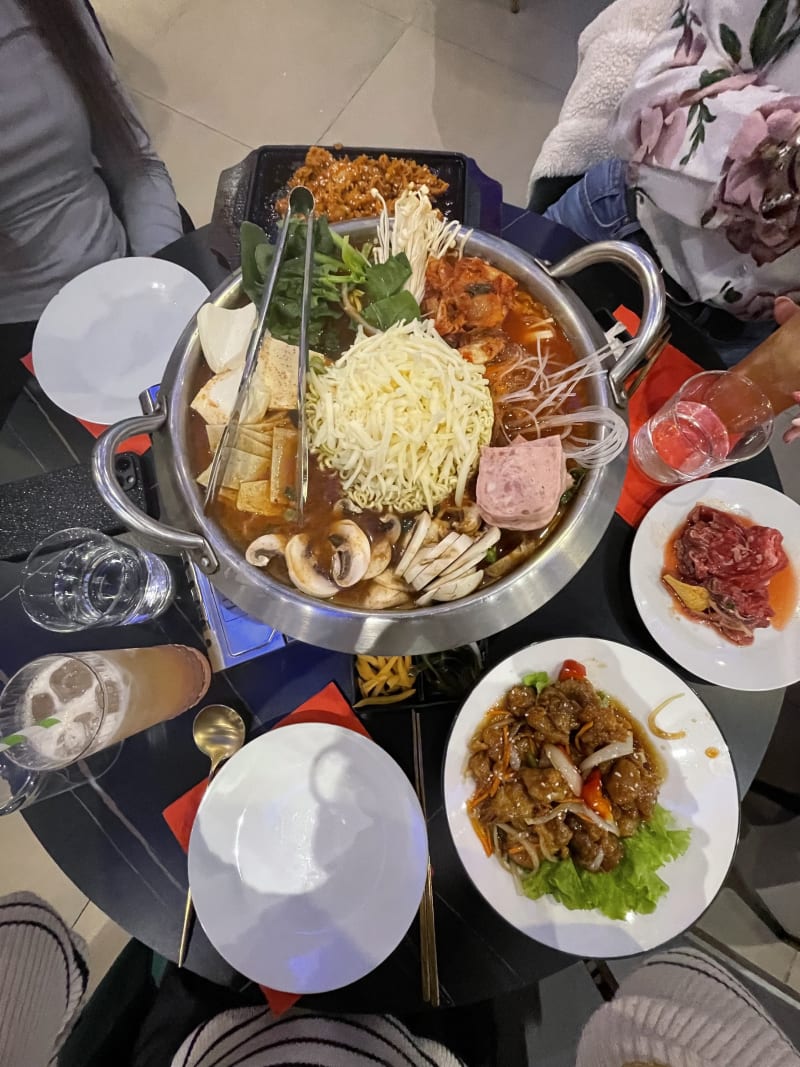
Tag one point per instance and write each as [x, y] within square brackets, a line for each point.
[139, 444]
[666, 376]
[328, 705]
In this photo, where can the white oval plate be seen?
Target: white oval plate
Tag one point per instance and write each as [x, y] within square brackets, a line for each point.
[700, 792]
[773, 660]
[109, 333]
[308, 858]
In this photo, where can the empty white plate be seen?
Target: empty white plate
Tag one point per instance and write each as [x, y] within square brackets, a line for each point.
[109, 333]
[308, 858]
[699, 789]
[773, 660]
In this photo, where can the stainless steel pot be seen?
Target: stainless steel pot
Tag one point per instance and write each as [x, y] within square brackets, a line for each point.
[440, 626]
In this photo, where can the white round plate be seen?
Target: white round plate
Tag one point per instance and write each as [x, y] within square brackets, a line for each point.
[698, 790]
[108, 334]
[308, 858]
[773, 660]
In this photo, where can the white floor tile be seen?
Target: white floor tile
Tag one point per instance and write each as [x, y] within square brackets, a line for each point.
[104, 939]
[400, 9]
[429, 93]
[520, 41]
[731, 922]
[266, 72]
[131, 26]
[183, 142]
[27, 866]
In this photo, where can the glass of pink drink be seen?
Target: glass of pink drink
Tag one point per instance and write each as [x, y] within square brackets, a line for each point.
[715, 419]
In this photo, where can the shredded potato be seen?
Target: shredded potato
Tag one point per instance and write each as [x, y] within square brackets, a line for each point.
[401, 417]
[384, 679]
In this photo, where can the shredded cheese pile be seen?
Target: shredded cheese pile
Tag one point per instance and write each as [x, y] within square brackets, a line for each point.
[416, 229]
[401, 417]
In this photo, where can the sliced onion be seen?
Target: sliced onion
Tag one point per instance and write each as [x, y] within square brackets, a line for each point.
[540, 820]
[583, 811]
[613, 751]
[597, 862]
[565, 767]
[523, 842]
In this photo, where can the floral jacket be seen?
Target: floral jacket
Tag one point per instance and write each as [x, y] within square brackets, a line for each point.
[710, 106]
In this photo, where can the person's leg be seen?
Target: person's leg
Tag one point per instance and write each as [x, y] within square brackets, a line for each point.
[43, 979]
[597, 207]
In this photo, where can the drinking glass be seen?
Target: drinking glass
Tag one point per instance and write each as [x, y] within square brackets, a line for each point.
[20, 787]
[715, 419]
[77, 579]
[62, 708]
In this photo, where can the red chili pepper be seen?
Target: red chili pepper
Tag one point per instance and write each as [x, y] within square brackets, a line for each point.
[571, 669]
[593, 796]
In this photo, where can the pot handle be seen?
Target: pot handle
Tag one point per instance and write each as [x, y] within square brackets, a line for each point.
[168, 538]
[643, 268]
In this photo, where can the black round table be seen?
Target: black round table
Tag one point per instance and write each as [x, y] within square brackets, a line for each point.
[110, 837]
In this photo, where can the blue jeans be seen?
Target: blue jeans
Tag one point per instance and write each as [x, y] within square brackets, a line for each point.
[597, 209]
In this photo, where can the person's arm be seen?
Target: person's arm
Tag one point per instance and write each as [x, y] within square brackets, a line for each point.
[143, 195]
[712, 95]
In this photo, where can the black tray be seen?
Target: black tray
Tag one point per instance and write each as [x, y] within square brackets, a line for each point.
[427, 695]
[275, 164]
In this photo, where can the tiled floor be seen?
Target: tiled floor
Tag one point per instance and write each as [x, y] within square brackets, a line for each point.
[211, 80]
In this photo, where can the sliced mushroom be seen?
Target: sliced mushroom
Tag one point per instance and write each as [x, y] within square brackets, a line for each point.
[265, 548]
[506, 564]
[383, 546]
[421, 528]
[474, 554]
[466, 519]
[343, 506]
[442, 556]
[452, 590]
[379, 597]
[391, 528]
[352, 553]
[304, 569]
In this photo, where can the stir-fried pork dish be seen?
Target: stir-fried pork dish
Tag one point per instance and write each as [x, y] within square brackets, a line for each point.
[560, 771]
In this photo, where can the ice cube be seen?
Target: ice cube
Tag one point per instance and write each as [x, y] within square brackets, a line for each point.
[70, 679]
[42, 706]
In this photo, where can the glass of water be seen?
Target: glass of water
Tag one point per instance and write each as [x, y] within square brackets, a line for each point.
[77, 579]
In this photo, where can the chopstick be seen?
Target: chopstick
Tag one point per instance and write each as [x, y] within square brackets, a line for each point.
[427, 922]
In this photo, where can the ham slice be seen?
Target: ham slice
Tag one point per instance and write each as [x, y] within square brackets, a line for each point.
[520, 486]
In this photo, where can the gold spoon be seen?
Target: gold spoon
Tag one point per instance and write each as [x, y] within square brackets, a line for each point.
[218, 732]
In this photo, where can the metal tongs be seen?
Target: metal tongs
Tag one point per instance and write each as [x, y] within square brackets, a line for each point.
[301, 204]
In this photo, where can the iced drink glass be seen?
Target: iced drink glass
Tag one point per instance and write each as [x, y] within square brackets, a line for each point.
[714, 420]
[62, 708]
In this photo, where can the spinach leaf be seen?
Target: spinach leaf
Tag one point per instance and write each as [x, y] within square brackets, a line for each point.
[386, 279]
[251, 237]
[330, 274]
[400, 307]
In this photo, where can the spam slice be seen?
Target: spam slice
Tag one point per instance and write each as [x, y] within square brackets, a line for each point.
[520, 486]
